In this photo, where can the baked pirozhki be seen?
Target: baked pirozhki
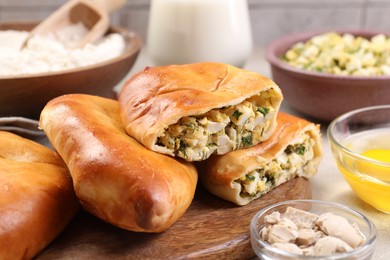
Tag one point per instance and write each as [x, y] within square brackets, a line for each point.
[116, 178]
[294, 150]
[195, 110]
[37, 200]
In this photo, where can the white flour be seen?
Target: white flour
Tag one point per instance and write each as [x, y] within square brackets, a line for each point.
[49, 53]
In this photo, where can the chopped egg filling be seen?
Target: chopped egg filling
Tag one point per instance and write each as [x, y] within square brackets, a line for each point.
[342, 54]
[219, 130]
[294, 161]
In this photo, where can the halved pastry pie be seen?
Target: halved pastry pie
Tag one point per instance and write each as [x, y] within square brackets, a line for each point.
[195, 110]
[294, 149]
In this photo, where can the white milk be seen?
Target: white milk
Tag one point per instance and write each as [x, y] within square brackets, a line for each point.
[186, 31]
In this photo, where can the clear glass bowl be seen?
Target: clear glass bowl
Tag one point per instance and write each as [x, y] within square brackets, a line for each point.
[266, 251]
[354, 133]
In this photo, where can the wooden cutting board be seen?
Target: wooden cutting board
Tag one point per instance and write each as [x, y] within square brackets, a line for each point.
[211, 228]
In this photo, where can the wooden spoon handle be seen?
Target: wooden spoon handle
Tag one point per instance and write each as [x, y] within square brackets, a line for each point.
[110, 5]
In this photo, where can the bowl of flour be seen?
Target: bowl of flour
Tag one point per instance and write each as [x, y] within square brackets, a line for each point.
[47, 66]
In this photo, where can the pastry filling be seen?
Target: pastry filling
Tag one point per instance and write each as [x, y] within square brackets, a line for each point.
[296, 160]
[220, 130]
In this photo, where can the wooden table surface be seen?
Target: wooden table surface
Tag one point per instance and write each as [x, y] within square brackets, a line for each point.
[211, 228]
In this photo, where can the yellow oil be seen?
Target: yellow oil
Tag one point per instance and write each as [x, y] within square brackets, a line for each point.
[370, 179]
[382, 155]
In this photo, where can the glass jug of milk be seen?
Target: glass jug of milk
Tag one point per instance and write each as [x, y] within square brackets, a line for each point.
[188, 31]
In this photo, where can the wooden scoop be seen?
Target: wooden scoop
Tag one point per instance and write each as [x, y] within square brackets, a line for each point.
[91, 15]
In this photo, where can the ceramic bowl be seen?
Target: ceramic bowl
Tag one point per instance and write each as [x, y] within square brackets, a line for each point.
[27, 95]
[323, 96]
[360, 143]
[265, 250]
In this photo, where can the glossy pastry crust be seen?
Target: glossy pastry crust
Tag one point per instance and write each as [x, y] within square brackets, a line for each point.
[158, 97]
[219, 174]
[37, 199]
[116, 178]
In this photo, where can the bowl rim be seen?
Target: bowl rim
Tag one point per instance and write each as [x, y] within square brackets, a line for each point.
[275, 61]
[344, 116]
[136, 45]
[360, 249]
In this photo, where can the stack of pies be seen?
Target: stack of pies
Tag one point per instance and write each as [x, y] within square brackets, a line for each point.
[135, 162]
[228, 119]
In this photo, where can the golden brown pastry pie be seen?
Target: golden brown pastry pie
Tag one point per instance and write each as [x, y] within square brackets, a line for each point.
[37, 200]
[195, 110]
[294, 149]
[116, 178]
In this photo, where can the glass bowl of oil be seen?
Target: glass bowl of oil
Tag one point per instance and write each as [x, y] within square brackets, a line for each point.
[360, 143]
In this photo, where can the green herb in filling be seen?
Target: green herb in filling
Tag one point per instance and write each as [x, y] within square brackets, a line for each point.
[246, 140]
[298, 149]
[250, 177]
[270, 178]
[237, 114]
[183, 147]
[301, 150]
[263, 110]
[191, 127]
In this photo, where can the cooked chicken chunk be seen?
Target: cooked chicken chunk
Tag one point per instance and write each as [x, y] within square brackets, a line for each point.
[331, 223]
[272, 218]
[284, 232]
[289, 247]
[300, 232]
[307, 237]
[302, 219]
[330, 245]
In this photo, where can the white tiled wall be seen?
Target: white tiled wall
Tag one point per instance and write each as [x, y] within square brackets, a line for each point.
[270, 18]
